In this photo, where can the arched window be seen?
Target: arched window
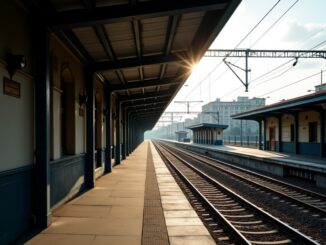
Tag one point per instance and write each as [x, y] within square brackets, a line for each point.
[67, 115]
[98, 126]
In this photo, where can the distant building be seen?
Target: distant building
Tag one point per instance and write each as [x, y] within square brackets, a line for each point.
[321, 87]
[181, 135]
[220, 112]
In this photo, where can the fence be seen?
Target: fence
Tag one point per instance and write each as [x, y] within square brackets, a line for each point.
[248, 141]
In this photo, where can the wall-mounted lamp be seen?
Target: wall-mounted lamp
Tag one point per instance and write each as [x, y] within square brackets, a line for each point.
[82, 100]
[15, 62]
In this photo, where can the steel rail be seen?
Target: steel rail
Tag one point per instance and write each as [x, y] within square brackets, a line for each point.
[293, 233]
[318, 210]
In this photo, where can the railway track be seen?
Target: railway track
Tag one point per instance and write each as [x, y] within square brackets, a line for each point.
[312, 201]
[230, 218]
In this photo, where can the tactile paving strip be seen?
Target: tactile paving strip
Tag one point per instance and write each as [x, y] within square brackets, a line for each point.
[154, 228]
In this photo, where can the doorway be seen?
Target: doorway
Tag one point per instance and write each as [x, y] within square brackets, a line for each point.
[98, 128]
[272, 146]
[67, 109]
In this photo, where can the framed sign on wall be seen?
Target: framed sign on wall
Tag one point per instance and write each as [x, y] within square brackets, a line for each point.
[11, 88]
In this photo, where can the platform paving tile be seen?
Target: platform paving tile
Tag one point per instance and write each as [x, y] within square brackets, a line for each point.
[169, 188]
[62, 239]
[126, 193]
[175, 201]
[180, 214]
[110, 213]
[171, 193]
[189, 230]
[123, 212]
[183, 221]
[173, 198]
[191, 240]
[82, 211]
[92, 226]
[117, 240]
[109, 201]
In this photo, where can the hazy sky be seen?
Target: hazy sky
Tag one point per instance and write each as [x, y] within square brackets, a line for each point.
[303, 27]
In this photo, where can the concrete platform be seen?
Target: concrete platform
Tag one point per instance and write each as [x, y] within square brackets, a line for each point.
[138, 203]
[276, 163]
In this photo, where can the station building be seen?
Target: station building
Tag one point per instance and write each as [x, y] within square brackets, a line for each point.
[208, 133]
[292, 126]
[181, 135]
[80, 83]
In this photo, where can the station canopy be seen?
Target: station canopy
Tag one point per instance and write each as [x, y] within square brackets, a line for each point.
[143, 49]
[207, 125]
[315, 101]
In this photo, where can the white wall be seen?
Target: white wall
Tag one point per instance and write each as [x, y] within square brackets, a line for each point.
[16, 123]
[16, 114]
[304, 119]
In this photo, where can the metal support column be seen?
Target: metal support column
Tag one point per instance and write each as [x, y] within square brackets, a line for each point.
[280, 144]
[127, 133]
[260, 135]
[42, 120]
[123, 146]
[90, 131]
[296, 133]
[108, 165]
[322, 133]
[241, 132]
[130, 132]
[118, 133]
[265, 129]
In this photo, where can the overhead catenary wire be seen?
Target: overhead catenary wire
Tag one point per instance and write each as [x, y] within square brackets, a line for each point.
[275, 22]
[297, 81]
[271, 73]
[245, 37]
[283, 64]
[271, 26]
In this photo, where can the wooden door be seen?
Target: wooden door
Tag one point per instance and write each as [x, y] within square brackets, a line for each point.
[272, 138]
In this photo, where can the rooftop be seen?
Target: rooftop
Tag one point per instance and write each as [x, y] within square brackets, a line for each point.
[208, 125]
[315, 101]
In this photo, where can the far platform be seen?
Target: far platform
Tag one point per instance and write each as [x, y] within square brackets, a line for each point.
[281, 164]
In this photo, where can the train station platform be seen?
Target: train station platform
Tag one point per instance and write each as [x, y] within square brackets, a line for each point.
[312, 162]
[138, 203]
[281, 164]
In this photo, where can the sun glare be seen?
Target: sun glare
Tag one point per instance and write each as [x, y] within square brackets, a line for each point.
[194, 68]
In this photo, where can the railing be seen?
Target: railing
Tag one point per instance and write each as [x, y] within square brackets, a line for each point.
[247, 141]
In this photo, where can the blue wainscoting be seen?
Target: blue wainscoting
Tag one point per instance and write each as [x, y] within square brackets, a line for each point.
[309, 148]
[67, 178]
[218, 142]
[288, 147]
[16, 203]
[269, 148]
